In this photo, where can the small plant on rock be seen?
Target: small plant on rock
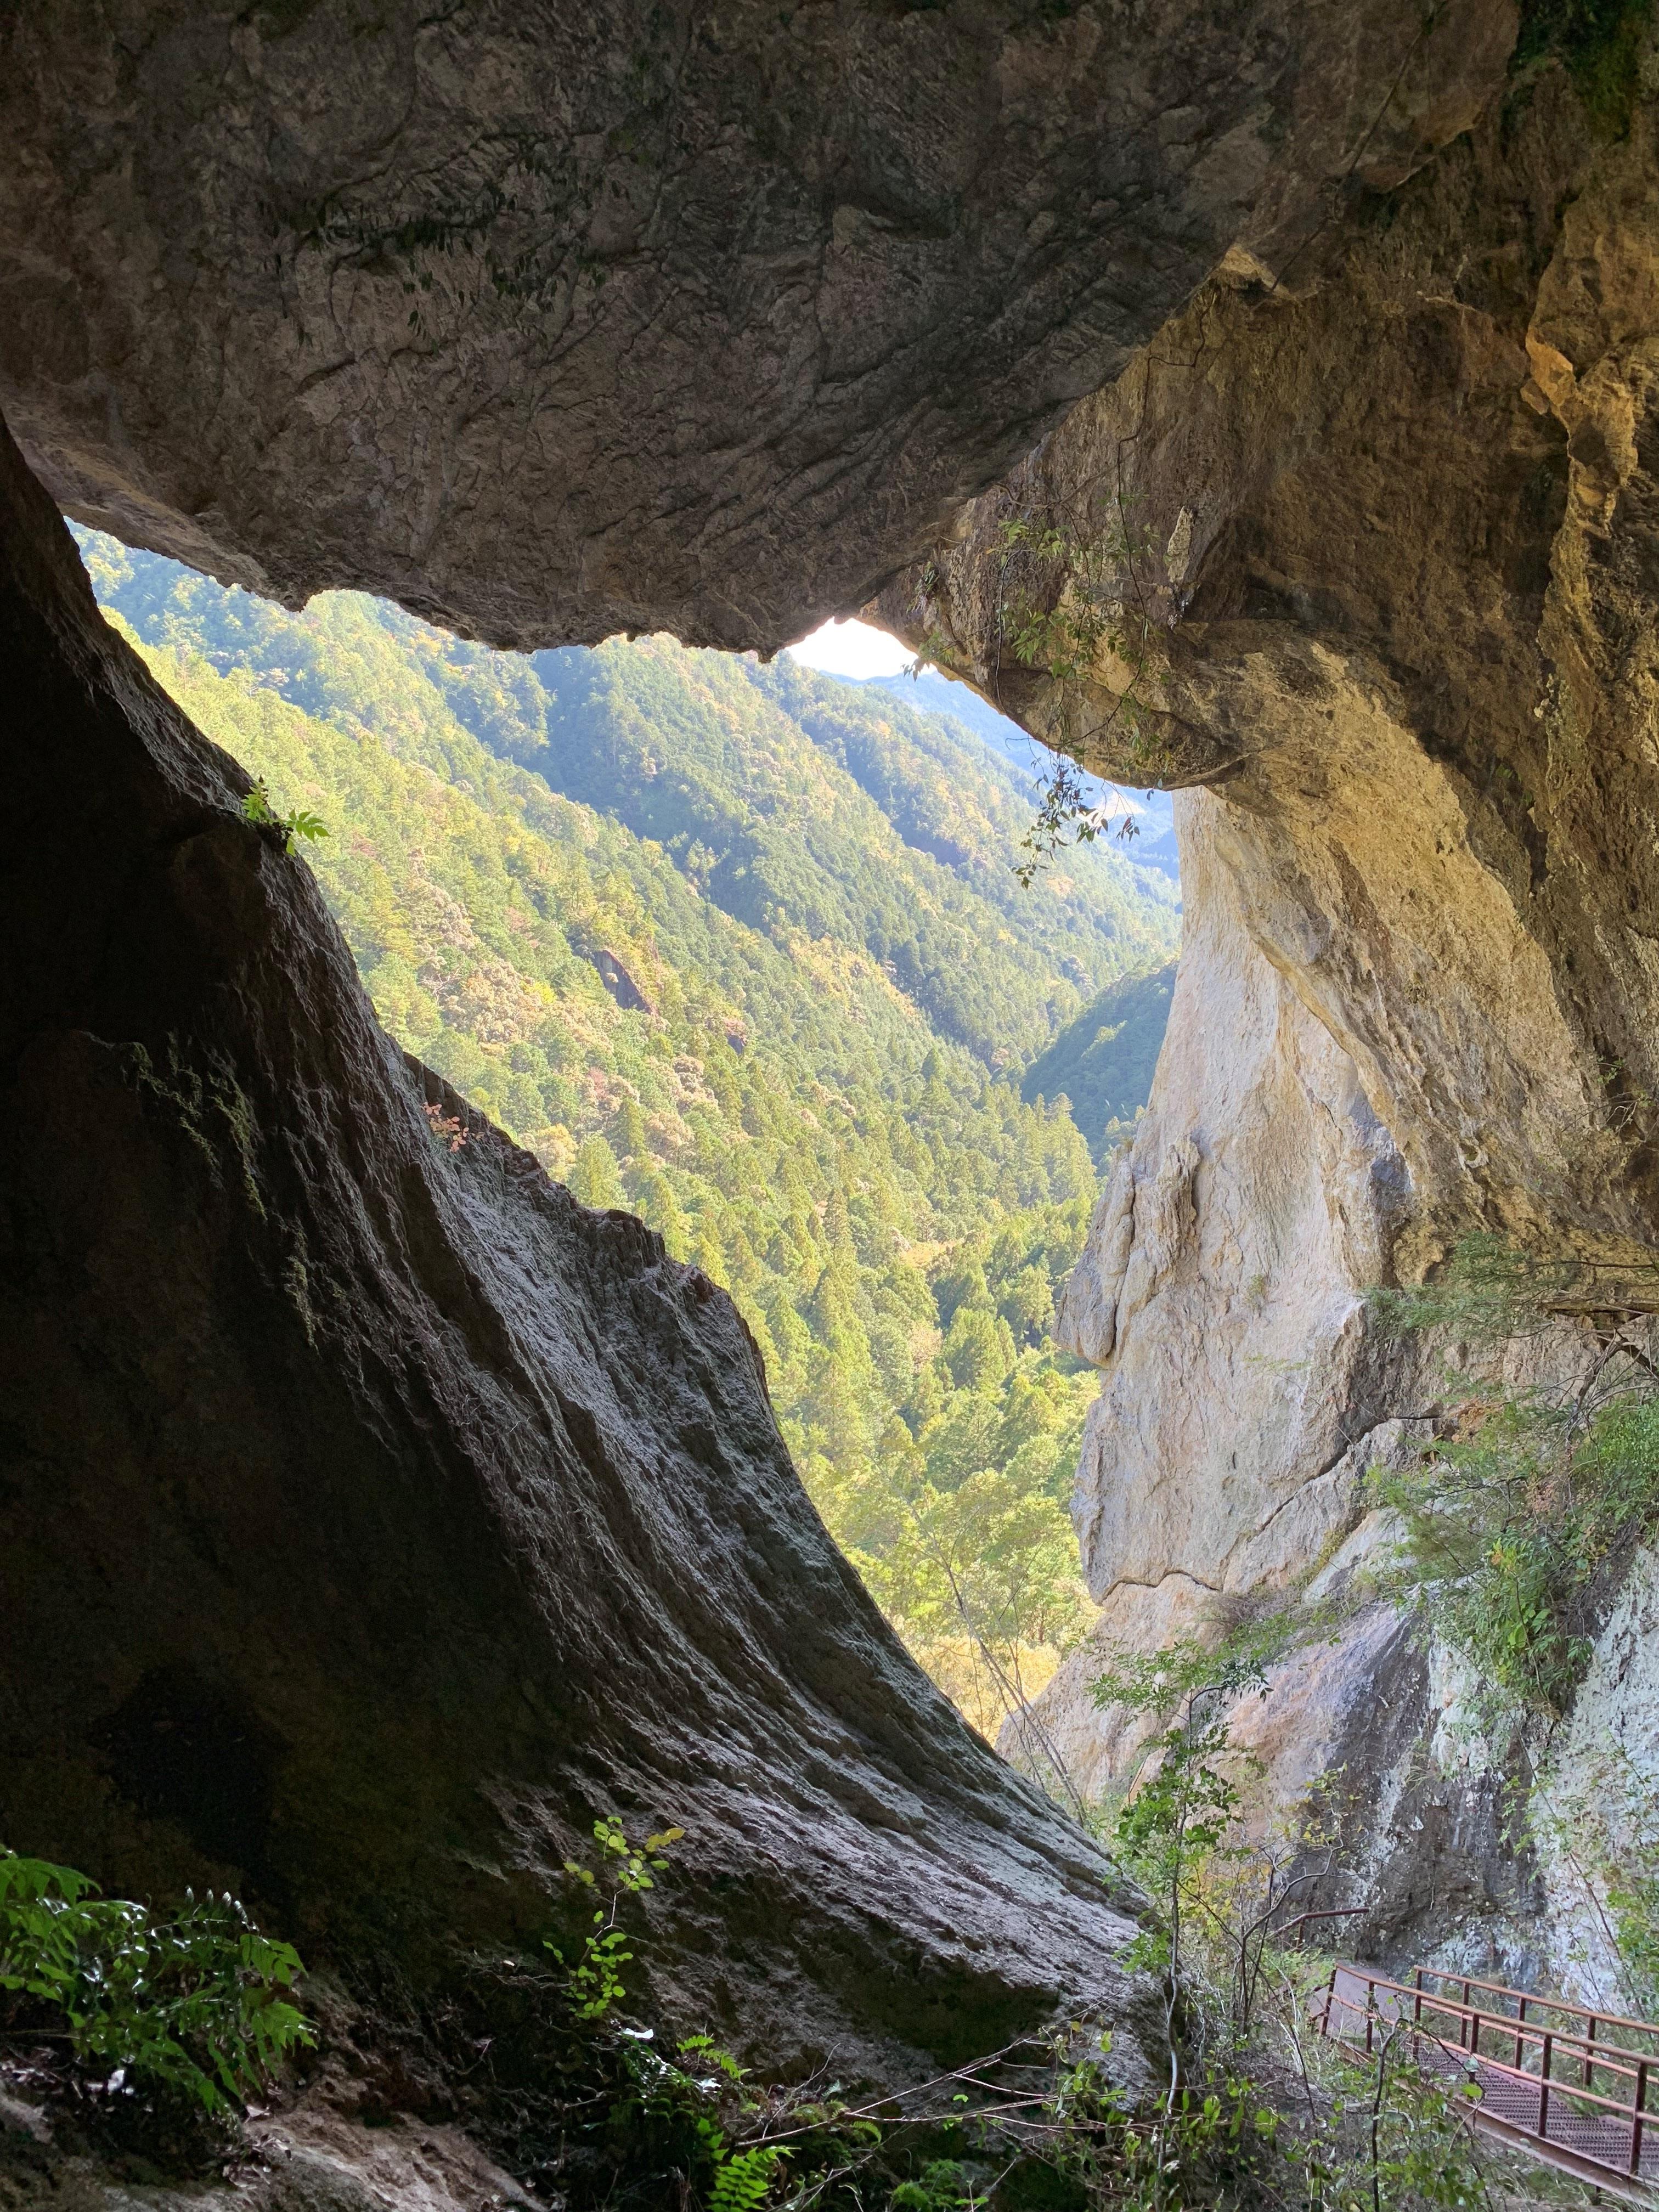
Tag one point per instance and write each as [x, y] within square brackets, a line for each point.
[447, 1129]
[257, 808]
[1073, 605]
[200, 2000]
[627, 1869]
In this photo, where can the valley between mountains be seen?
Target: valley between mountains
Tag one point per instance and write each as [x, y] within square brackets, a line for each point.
[741, 950]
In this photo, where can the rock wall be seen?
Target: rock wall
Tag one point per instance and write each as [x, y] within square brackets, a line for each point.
[1388, 610]
[376, 1516]
[1222, 1292]
[431, 1514]
[551, 321]
[1599, 1783]
[1409, 646]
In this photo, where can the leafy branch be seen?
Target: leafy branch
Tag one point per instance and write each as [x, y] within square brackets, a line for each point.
[201, 2001]
[1071, 600]
[1512, 1517]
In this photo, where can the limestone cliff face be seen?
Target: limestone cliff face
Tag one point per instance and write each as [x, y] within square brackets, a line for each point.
[1398, 618]
[551, 320]
[1598, 1814]
[1393, 591]
[1223, 1293]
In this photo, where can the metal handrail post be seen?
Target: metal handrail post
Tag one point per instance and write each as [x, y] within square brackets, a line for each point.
[1636, 2115]
[1520, 2018]
[1589, 2056]
[1544, 2088]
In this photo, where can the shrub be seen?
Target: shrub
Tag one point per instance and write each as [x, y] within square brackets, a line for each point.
[201, 2001]
[1509, 1528]
[627, 1869]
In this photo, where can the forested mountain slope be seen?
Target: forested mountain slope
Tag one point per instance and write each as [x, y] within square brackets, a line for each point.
[1103, 1060]
[739, 948]
[1142, 822]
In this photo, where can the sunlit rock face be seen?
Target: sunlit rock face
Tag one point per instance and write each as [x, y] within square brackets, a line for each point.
[551, 321]
[1391, 577]
[1597, 1831]
[1223, 1294]
[1399, 618]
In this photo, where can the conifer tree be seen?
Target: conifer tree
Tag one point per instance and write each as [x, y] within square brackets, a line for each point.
[594, 1178]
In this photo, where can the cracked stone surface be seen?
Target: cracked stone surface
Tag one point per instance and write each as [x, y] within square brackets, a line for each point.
[553, 321]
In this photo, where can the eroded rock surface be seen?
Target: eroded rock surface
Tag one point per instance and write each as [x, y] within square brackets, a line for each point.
[1392, 588]
[1595, 1826]
[442, 1514]
[1410, 649]
[1223, 1291]
[551, 321]
[313, 2158]
[376, 1516]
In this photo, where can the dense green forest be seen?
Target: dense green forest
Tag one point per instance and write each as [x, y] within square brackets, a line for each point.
[738, 947]
[1103, 1058]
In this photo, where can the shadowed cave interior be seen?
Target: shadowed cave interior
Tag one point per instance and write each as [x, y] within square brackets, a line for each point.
[377, 1516]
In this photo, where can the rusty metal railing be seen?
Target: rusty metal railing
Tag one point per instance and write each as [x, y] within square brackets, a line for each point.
[1581, 2091]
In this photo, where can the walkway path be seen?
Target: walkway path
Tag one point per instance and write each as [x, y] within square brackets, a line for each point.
[1565, 2083]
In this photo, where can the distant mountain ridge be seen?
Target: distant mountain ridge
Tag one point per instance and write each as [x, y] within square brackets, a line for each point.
[776, 841]
[1102, 1061]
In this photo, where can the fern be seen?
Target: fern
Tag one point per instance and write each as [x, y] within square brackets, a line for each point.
[744, 2180]
[202, 2000]
[257, 808]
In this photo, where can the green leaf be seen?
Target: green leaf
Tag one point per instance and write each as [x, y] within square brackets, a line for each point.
[197, 2001]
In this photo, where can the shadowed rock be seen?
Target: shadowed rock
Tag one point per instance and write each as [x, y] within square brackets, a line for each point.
[374, 1515]
[552, 321]
[435, 1515]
